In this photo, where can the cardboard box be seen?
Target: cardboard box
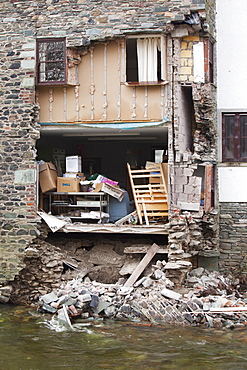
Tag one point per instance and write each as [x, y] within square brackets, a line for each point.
[47, 177]
[74, 174]
[73, 163]
[68, 184]
[112, 190]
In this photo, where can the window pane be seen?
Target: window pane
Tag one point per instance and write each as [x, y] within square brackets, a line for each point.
[51, 61]
[229, 136]
[131, 61]
[243, 139]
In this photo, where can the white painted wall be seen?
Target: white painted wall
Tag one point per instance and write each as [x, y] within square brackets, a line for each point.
[232, 184]
[232, 54]
[198, 62]
[231, 86]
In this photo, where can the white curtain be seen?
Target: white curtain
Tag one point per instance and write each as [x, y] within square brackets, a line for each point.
[147, 59]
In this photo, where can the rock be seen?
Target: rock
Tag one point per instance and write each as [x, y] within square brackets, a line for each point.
[158, 274]
[94, 301]
[31, 252]
[48, 298]
[229, 324]
[171, 294]
[125, 290]
[193, 306]
[4, 299]
[129, 266]
[101, 306]
[83, 298]
[110, 311]
[66, 299]
[104, 273]
[198, 272]
[52, 263]
[6, 290]
[189, 317]
[218, 323]
[197, 301]
[49, 308]
[147, 282]
[210, 321]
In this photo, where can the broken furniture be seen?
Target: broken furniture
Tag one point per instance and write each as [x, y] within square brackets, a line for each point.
[149, 188]
[80, 201]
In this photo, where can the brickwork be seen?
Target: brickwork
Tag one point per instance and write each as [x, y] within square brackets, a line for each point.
[186, 58]
[81, 22]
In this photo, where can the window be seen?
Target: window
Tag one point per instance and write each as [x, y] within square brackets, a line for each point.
[234, 136]
[209, 60]
[145, 60]
[51, 61]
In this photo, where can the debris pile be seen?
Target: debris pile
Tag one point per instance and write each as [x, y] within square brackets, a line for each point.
[209, 300]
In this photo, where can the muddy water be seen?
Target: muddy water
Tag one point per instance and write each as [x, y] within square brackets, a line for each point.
[34, 342]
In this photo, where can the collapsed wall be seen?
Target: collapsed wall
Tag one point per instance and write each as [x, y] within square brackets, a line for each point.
[82, 23]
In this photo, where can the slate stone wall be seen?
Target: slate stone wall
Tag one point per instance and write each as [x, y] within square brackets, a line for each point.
[21, 22]
[233, 237]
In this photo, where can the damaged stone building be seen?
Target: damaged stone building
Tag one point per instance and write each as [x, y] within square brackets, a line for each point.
[114, 83]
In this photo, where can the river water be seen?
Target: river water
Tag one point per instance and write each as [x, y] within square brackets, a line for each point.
[30, 341]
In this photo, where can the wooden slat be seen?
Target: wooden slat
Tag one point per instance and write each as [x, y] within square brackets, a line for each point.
[142, 265]
[138, 210]
[150, 199]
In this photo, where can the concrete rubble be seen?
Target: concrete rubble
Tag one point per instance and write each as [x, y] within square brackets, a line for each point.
[207, 299]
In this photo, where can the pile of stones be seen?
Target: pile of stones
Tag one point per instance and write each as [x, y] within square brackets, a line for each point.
[152, 298]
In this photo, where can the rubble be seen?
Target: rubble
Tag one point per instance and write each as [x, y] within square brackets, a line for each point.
[152, 298]
[100, 278]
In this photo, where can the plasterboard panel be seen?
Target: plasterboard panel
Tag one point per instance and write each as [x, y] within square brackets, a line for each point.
[198, 57]
[232, 184]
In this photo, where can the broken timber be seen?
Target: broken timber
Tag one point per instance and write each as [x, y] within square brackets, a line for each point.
[125, 218]
[142, 265]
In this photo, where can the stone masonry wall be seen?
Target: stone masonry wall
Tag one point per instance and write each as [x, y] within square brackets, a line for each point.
[233, 237]
[21, 22]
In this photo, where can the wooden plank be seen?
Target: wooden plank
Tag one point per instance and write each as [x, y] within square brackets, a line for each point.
[208, 188]
[134, 194]
[142, 265]
[122, 220]
[228, 309]
[143, 249]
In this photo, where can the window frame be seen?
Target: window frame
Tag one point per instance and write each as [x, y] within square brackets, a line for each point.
[209, 60]
[38, 62]
[237, 137]
[162, 67]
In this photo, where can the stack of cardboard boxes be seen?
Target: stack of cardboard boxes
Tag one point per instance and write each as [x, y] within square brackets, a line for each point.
[70, 182]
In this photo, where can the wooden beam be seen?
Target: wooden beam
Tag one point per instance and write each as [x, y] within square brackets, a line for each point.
[143, 249]
[142, 265]
[228, 309]
[208, 188]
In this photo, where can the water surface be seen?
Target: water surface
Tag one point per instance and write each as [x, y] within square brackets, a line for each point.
[29, 341]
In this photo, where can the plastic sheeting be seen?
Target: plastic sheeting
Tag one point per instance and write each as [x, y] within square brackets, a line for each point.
[112, 125]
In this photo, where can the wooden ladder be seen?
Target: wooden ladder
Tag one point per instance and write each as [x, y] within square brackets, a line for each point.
[149, 188]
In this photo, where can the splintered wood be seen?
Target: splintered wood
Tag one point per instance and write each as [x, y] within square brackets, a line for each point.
[149, 187]
[142, 265]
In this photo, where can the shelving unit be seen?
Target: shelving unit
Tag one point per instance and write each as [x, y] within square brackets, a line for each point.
[80, 201]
